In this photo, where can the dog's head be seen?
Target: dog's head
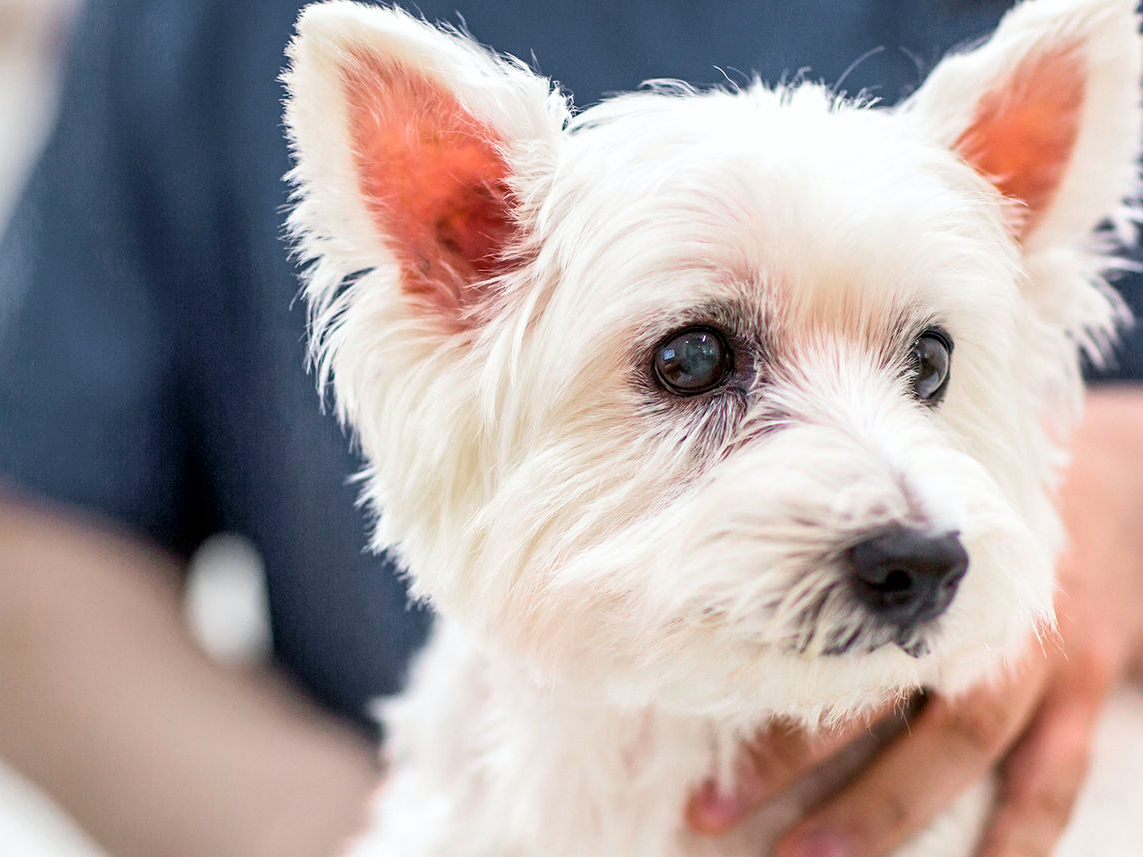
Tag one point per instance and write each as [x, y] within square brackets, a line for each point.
[726, 400]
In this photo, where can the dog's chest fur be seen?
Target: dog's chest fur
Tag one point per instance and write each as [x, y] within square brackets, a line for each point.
[483, 764]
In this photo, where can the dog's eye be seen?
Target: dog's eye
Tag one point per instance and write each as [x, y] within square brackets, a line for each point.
[692, 361]
[932, 357]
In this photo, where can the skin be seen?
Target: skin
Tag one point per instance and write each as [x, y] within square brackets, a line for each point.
[154, 749]
[1035, 727]
[159, 752]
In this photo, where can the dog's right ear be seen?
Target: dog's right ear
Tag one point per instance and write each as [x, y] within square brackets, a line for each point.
[1048, 110]
[415, 149]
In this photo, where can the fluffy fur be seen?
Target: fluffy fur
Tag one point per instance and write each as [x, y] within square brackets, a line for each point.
[629, 581]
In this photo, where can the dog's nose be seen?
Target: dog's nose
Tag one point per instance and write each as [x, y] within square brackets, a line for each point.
[907, 576]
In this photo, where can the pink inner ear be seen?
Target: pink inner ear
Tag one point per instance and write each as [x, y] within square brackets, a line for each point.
[1024, 133]
[433, 179]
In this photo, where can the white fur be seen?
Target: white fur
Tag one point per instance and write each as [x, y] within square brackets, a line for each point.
[622, 579]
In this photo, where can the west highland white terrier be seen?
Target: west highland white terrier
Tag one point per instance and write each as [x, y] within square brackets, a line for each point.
[696, 409]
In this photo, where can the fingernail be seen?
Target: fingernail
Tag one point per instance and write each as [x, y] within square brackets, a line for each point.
[824, 845]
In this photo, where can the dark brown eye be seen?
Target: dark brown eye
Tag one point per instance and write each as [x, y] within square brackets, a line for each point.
[693, 361]
[932, 358]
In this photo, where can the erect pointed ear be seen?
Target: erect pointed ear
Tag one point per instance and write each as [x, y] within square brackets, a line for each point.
[414, 149]
[1048, 110]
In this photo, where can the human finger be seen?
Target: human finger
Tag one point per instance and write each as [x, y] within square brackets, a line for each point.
[950, 745]
[1043, 774]
[778, 756]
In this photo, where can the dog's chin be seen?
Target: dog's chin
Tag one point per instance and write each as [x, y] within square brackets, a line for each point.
[864, 637]
[914, 642]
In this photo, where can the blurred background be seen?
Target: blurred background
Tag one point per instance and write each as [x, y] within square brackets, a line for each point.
[225, 598]
[32, 34]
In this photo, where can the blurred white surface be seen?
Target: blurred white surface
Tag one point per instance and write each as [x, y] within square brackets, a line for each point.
[32, 826]
[226, 601]
[1110, 797]
[31, 33]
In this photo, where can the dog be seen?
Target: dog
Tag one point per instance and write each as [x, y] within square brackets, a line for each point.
[697, 409]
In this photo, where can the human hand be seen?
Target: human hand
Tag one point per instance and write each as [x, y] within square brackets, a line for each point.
[1035, 726]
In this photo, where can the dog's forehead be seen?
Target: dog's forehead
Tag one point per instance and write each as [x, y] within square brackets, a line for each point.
[828, 213]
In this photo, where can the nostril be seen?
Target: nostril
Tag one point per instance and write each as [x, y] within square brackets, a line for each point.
[885, 578]
[896, 581]
[885, 587]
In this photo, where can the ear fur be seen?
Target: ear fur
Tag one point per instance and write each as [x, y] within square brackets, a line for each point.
[1048, 110]
[415, 149]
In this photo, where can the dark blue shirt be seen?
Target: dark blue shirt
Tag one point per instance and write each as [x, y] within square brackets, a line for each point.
[151, 348]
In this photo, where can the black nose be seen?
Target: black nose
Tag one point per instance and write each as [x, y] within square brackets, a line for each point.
[907, 576]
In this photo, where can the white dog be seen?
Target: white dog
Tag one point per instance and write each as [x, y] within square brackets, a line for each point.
[695, 409]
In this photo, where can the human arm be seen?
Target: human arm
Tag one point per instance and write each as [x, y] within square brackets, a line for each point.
[157, 751]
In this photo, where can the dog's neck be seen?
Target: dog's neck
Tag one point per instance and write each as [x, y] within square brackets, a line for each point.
[506, 740]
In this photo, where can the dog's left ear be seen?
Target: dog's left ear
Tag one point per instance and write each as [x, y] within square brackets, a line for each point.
[1048, 111]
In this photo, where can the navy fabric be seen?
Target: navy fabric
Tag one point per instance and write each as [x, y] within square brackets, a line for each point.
[151, 351]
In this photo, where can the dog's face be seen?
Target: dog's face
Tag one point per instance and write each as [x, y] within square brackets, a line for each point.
[725, 401]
